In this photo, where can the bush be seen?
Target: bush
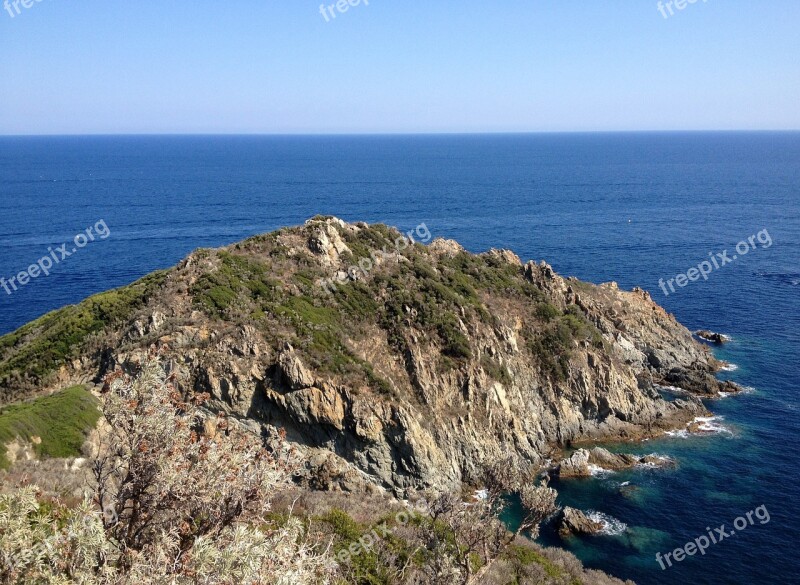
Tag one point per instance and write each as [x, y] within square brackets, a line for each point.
[178, 497]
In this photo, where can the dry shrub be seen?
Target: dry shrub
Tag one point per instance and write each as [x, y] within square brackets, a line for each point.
[170, 503]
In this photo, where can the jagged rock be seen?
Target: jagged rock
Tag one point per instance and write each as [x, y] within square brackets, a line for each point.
[711, 336]
[612, 461]
[326, 241]
[580, 463]
[443, 247]
[505, 255]
[577, 465]
[293, 372]
[574, 522]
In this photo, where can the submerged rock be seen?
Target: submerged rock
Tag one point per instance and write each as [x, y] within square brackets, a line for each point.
[628, 490]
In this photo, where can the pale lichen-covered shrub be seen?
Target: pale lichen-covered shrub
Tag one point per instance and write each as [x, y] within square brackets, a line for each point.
[179, 497]
[43, 542]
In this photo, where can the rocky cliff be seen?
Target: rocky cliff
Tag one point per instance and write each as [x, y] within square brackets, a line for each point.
[392, 362]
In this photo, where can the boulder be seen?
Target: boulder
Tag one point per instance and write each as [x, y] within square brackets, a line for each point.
[577, 465]
[613, 461]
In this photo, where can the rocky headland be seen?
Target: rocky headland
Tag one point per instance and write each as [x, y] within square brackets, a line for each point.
[408, 373]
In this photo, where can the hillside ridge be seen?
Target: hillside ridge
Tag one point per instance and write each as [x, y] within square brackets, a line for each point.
[402, 366]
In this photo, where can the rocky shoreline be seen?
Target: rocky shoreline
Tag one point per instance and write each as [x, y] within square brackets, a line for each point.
[409, 376]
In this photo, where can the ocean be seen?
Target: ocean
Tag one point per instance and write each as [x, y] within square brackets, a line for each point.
[639, 209]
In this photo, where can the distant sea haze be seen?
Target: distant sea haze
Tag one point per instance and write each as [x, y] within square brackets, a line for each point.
[633, 208]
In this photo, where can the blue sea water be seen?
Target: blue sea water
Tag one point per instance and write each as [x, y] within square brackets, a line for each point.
[633, 208]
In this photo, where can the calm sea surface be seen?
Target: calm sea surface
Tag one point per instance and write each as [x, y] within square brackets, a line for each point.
[633, 208]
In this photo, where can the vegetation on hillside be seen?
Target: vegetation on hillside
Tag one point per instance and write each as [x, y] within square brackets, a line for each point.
[55, 425]
[275, 287]
[30, 354]
[259, 283]
[177, 497]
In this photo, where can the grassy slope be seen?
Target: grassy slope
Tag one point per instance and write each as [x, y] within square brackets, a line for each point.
[42, 346]
[61, 420]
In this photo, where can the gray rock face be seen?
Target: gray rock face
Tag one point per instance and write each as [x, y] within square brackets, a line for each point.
[292, 371]
[577, 465]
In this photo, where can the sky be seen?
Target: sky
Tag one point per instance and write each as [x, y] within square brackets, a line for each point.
[397, 66]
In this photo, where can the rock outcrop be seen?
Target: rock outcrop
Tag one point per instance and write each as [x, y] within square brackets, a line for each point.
[711, 336]
[584, 461]
[411, 371]
[573, 522]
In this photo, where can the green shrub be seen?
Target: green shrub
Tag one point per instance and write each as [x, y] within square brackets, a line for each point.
[496, 371]
[527, 556]
[343, 525]
[547, 311]
[61, 420]
[237, 277]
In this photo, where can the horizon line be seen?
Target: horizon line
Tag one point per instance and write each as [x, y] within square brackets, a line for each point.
[380, 134]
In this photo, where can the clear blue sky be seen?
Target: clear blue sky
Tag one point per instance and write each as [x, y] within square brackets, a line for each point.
[276, 66]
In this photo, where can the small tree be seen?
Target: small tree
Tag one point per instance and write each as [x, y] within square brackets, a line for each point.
[467, 538]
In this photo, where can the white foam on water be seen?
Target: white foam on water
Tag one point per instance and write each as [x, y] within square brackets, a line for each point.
[671, 388]
[709, 424]
[611, 526]
[705, 425]
[729, 367]
[662, 459]
[680, 433]
[744, 390]
[596, 470]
